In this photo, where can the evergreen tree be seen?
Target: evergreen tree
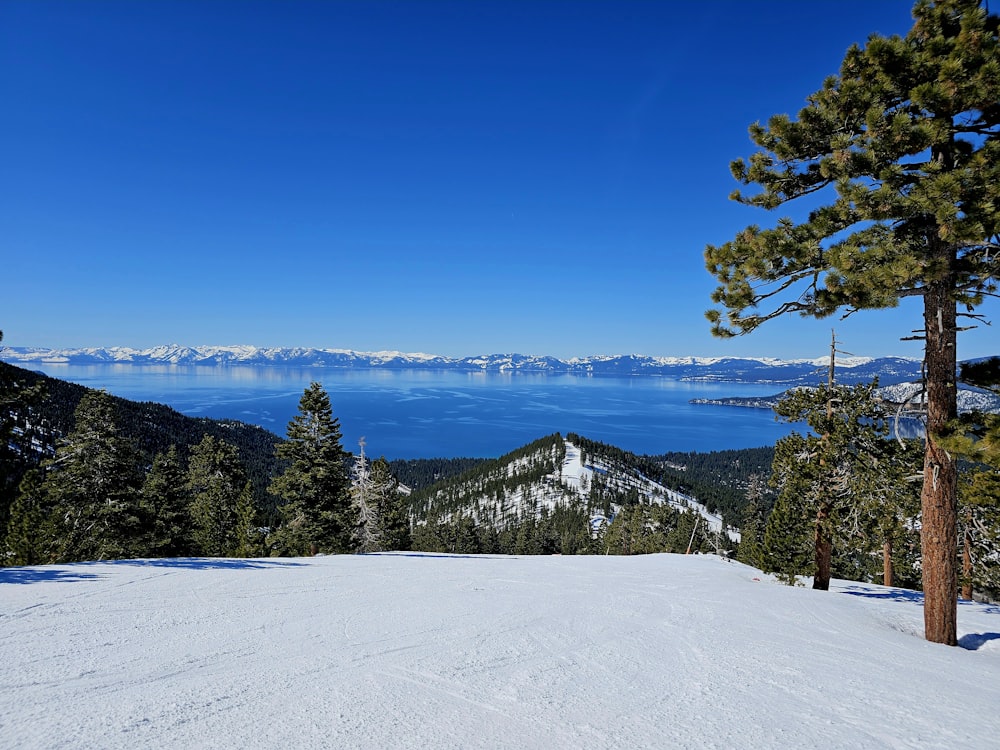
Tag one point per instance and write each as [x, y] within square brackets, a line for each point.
[391, 507]
[977, 441]
[980, 531]
[215, 480]
[25, 543]
[878, 523]
[751, 550]
[20, 424]
[787, 551]
[248, 534]
[314, 485]
[167, 505]
[842, 463]
[92, 486]
[905, 143]
[689, 534]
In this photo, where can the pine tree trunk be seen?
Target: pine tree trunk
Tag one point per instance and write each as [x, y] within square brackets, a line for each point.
[824, 550]
[938, 498]
[887, 562]
[967, 566]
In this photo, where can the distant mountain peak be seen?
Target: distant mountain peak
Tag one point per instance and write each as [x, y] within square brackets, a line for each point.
[733, 369]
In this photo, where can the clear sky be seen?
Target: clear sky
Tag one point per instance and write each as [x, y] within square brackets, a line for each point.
[448, 177]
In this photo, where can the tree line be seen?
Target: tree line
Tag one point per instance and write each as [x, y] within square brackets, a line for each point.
[95, 491]
[848, 494]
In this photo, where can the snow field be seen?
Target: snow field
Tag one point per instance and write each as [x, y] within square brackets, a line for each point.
[433, 651]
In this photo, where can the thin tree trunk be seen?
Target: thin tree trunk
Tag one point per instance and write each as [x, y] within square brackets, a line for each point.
[938, 498]
[887, 562]
[824, 550]
[966, 565]
[821, 537]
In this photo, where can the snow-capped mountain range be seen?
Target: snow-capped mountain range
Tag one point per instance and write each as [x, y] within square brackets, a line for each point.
[732, 369]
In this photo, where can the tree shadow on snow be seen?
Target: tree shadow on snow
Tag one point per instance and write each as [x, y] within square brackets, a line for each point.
[894, 595]
[974, 641]
[440, 555]
[205, 563]
[915, 597]
[40, 575]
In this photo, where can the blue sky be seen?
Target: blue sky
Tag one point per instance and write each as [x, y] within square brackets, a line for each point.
[448, 177]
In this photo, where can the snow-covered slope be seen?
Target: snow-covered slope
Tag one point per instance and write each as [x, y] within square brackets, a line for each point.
[969, 399]
[422, 651]
[756, 370]
[910, 394]
[544, 475]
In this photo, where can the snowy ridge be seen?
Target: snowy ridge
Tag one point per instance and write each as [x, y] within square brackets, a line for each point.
[758, 370]
[546, 475]
[574, 474]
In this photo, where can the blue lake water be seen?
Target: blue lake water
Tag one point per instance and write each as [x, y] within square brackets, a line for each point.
[418, 414]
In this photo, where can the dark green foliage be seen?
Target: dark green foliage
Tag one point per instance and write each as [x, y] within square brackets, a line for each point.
[752, 523]
[788, 548]
[392, 507]
[980, 530]
[977, 440]
[28, 535]
[983, 373]
[92, 487]
[249, 537]
[215, 480]
[22, 431]
[459, 535]
[845, 482]
[420, 473]
[166, 503]
[314, 483]
[641, 529]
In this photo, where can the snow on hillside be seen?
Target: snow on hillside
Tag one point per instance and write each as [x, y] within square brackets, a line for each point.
[969, 399]
[567, 483]
[574, 474]
[426, 651]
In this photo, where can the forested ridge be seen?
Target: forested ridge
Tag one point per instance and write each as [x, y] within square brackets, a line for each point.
[719, 479]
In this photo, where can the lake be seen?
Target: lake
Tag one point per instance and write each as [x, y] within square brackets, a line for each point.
[421, 414]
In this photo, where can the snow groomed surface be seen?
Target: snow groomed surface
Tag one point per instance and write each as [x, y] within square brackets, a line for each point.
[431, 651]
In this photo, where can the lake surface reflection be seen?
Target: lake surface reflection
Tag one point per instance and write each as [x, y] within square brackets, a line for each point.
[421, 414]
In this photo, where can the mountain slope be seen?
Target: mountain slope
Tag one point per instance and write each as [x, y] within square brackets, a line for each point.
[426, 651]
[543, 476]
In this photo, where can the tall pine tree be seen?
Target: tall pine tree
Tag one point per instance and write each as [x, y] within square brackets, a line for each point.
[27, 529]
[92, 486]
[316, 515]
[215, 479]
[905, 145]
[167, 502]
[392, 507]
